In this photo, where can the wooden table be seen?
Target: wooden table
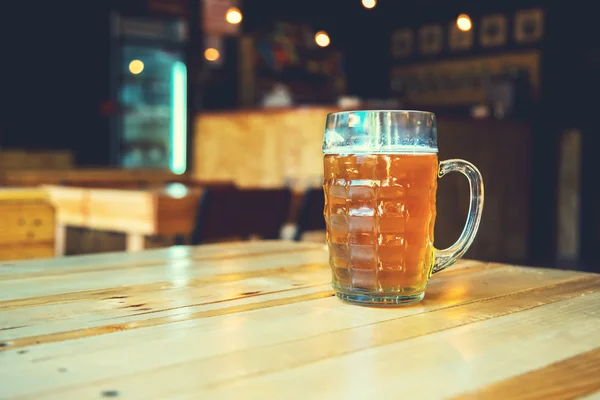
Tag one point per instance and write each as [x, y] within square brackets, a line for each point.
[137, 213]
[258, 320]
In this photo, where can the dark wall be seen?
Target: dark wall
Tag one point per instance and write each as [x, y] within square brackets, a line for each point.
[54, 77]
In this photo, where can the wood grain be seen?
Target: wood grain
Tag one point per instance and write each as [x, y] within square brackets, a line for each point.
[563, 380]
[260, 319]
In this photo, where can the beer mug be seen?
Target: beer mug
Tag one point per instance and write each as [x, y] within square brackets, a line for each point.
[380, 181]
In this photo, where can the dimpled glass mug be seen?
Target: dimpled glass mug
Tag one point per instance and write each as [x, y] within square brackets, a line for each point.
[380, 181]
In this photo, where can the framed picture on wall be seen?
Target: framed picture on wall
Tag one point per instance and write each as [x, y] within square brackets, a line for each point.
[459, 40]
[402, 43]
[431, 39]
[529, 25]
[493, 30]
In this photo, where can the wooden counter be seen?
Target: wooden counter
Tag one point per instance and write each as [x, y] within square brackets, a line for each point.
[259, 321]
[273, 147]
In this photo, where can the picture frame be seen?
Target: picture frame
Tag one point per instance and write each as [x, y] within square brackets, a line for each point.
[529, 25]
[402, 43]
[459, 40]
[493, 30]
[431, 39]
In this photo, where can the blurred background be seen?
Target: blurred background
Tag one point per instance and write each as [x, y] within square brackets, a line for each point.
[230, 91]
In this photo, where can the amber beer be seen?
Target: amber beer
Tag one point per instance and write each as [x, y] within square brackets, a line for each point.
[380, 214]
[380, 182]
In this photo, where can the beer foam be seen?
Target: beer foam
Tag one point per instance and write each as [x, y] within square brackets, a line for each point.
[390, 149]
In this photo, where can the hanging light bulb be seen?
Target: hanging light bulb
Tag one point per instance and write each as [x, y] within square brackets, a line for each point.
[136, 67]
[233, 16]
[369, 3]
[322, 39]
[464, 22]
[211, 54]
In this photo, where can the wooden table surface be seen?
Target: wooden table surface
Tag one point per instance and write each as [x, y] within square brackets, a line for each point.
[169, 210]
[259, 320]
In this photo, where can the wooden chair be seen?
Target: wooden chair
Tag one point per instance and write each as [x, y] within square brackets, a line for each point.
[310, 217]
[227, 212]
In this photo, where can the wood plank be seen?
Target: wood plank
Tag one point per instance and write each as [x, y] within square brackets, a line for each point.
[95, 311]
[53, 314]
[282, 350]
[563, 380]
[176, 273]
[120, 260]
[457, 360]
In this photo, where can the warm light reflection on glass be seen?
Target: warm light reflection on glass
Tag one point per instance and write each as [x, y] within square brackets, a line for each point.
[212, 54]
[322, 39]
[233, 16]
[136, 67]
[464, 22]
[369, 3]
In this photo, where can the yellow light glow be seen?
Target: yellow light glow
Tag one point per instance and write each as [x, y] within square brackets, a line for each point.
[464, 22]
[212, 54]
[233, 16]
[322, 39]
[136, 67]
[369, 3]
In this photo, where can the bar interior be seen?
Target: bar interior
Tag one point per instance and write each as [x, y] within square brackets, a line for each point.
[171, 92]
[198, 196]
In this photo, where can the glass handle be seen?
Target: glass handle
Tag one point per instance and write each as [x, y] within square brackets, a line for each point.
[445, 258]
